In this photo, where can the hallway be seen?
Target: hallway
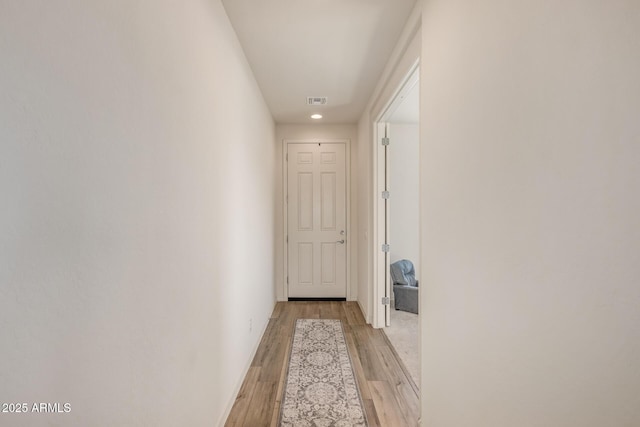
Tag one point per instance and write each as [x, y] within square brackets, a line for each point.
[143, 241]
[389, 396]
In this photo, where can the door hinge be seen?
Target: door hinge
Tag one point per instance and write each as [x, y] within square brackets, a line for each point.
[287, 239]
[287, 157]
[287, 280]
[386, 247]
[386, 300]
[385, 141]
[386, 195]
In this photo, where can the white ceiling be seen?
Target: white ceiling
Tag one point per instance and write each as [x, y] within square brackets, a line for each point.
[332, 48]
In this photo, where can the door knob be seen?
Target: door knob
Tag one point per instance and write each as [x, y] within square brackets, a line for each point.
[340, 241]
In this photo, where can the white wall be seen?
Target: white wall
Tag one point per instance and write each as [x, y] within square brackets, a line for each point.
[405, 55]
[530, 149]
[316, 133]
[404, 221]
[364, 221]
[137, 178]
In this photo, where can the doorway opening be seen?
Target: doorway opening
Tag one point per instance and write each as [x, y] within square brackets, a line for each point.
[397, 265]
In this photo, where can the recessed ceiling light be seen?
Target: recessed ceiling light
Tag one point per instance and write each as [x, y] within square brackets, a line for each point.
[316, 116]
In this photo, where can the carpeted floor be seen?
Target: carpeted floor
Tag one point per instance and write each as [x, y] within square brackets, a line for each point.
[404, 335]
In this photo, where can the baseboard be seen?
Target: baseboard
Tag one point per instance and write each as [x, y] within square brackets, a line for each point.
[317, 299]
[245, 371]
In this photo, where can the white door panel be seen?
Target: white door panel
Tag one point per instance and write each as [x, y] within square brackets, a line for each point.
[316, 214]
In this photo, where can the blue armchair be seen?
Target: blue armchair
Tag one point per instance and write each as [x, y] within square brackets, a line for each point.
[405, 286]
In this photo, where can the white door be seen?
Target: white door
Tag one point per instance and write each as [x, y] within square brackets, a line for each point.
[317, 219]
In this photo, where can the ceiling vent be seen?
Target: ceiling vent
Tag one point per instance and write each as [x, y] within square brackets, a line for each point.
[316, 100]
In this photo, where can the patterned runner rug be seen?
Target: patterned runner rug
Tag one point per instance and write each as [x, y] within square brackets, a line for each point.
[321, 389]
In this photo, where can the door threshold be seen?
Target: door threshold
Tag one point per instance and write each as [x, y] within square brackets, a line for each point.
[317, 299]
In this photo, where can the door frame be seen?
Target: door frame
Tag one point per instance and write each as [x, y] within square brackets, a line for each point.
[380, 260]
[285, 230]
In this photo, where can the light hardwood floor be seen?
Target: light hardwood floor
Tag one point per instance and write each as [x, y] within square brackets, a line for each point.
[389, 395]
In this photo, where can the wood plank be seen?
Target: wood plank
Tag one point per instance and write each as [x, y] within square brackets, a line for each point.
[355, 309]
[342, 313]
[377, 337]
[262, 405]
[389, 414]
[351, 310]
[328, 310]
[275, 417]
[406, 397]
[312, 310]
[363, 384]
[338, 310]
[285, 320]
[274, 361]
[371, 365]
[277, 310]
[283, 375]
[266, 344]
[407, 374]
[372, 415]
[289, 316]
[239, 410]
